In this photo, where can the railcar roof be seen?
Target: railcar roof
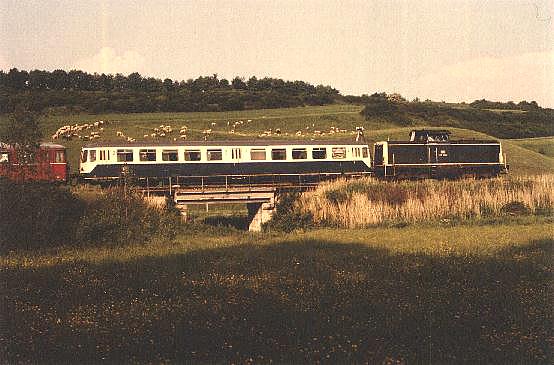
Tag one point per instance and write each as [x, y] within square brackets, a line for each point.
[42, 144]
[458, 141]
[283, 142]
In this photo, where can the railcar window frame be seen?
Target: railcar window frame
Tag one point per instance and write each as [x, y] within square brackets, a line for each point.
[214, 154]
[338, 153]
[190, 153]
[256, 154]
[170, 155]
[125, 155]
[59, 156]
[299, 153]
[147, 155]
[319, 153]
[278, 154]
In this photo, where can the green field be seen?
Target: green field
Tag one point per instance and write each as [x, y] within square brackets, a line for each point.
[420, 294]
[525, 156]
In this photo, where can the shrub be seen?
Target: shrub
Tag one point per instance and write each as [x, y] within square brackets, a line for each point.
[37, 215]
[515, 208]
[118, 217]
[288, 217]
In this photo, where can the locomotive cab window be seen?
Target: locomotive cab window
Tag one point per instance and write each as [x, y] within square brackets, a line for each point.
[192, 155]
[92, 155]
[365, 152]
[4, 157]
[257, 154]
[170, 155]
[319, 153]
[339, 152]
[215, 155]
[299, 154]
[124, 155]
[278, 154]
[84, 156]
[147, 155]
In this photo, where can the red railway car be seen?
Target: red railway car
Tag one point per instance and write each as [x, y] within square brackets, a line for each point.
[50, 164]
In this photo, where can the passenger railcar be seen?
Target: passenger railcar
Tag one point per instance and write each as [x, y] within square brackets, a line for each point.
[209, 158]
[49, 164]
[431, 154]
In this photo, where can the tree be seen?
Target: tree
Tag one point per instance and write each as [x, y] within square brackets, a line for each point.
[23, 133]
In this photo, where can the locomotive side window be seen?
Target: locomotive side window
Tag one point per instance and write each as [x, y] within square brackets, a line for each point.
[257, 154]
[365, 152]
[299, 153]
[92, 155]
[215, 155]
[192, 155]
[84, 156]
[170, 155]
[59, 156]
[124, 155]
[339, 152]
[147, 155]
[278, 154]
[319, 153]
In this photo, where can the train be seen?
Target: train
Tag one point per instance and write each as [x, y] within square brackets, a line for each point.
[427, 154]
[49, 164]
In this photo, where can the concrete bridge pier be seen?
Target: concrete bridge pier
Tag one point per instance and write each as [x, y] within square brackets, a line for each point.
[258, 214]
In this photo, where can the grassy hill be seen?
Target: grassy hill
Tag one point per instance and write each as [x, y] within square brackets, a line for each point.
[526, 156]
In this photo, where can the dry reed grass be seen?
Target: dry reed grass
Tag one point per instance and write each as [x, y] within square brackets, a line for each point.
[367, 202]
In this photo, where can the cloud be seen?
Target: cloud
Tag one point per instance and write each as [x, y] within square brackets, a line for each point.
[107, 60]
[527, 76]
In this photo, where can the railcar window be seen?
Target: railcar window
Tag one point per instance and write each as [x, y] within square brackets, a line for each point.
[215, 155]
[92, 155]
[192, 155]
[319, 153]
[170, 155]
[84, 156]
[124, 155]
[299, 153]
[104, 155]
[59, 156]
[257, 154]
[339, 152]
[278, 154]
[147, 155]
[4, 157]
[365, 152]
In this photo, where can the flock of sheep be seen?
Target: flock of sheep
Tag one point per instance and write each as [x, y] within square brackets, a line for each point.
[69, 132]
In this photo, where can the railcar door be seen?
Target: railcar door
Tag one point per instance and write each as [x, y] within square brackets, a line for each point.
[439, 153]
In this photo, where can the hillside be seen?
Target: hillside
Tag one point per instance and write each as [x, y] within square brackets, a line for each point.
[294, 123]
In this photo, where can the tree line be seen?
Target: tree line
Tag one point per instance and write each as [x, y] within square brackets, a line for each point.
[98, 93]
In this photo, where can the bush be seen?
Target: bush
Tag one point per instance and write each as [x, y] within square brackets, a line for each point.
[37, 215]
[515, 208]
[119, 217]
[287, 216]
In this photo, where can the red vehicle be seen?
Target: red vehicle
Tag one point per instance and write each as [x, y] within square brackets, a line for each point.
[50, 164]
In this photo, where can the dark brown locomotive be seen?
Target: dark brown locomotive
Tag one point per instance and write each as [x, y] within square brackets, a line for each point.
[431, 153]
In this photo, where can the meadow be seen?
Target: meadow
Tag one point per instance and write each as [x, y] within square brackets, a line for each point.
[418, 285]
[524, 155]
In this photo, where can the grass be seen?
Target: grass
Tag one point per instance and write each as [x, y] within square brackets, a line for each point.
[386, 295]
[368, 201]
[542, 145]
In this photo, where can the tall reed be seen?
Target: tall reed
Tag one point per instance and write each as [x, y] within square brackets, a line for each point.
[368, 201]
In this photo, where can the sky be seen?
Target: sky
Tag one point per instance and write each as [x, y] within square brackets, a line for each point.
[441, 50]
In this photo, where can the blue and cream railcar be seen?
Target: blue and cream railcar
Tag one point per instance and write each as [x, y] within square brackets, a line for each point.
[430, 154]
[209, 158]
